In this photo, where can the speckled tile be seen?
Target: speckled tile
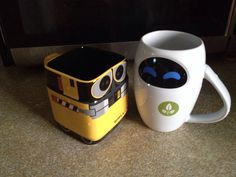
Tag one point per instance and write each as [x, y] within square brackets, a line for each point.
[30, 144]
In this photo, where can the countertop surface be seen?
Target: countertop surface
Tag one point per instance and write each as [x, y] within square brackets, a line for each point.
[31, 145]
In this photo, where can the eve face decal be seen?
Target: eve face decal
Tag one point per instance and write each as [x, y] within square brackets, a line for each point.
[161, 72]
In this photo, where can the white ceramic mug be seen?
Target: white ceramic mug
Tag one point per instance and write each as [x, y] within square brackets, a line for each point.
[169, 70]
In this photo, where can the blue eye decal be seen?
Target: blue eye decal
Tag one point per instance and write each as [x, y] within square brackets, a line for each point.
[162, 73]
[150, 70]
[172, 75]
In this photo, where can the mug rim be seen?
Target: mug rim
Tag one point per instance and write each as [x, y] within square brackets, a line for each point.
[196, 41]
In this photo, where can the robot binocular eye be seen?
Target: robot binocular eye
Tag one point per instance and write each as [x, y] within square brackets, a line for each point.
[105, 83]
[119, 72]
[102, 85]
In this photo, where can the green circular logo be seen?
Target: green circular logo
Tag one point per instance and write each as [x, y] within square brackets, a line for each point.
[168, 108]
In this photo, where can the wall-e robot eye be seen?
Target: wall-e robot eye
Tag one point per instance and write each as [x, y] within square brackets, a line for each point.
[102, 85]
[119, 72]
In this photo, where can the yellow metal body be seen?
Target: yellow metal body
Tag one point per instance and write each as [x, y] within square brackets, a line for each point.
[91, 118]
[84, 125]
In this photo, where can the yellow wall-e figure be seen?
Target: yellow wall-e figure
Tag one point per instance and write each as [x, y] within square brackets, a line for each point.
[87, 88]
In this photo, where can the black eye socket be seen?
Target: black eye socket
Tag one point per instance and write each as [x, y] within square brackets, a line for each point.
[105, 82]
[101, 86]
[161, 72]
[119, 72]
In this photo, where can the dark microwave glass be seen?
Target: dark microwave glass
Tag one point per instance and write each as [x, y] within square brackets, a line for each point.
[235, 29]
[56, 22]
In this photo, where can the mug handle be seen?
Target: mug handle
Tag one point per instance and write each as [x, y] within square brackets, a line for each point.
[219, 115]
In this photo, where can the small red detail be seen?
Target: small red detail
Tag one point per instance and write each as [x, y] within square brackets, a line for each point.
[54, 98]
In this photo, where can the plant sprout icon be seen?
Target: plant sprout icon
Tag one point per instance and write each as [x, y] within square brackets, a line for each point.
[168, 108]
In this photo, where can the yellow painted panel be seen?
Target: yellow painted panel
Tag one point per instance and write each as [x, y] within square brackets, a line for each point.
[68, 90]
[82, 124]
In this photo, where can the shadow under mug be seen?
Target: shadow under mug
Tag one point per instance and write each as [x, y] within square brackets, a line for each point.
[168, 73]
